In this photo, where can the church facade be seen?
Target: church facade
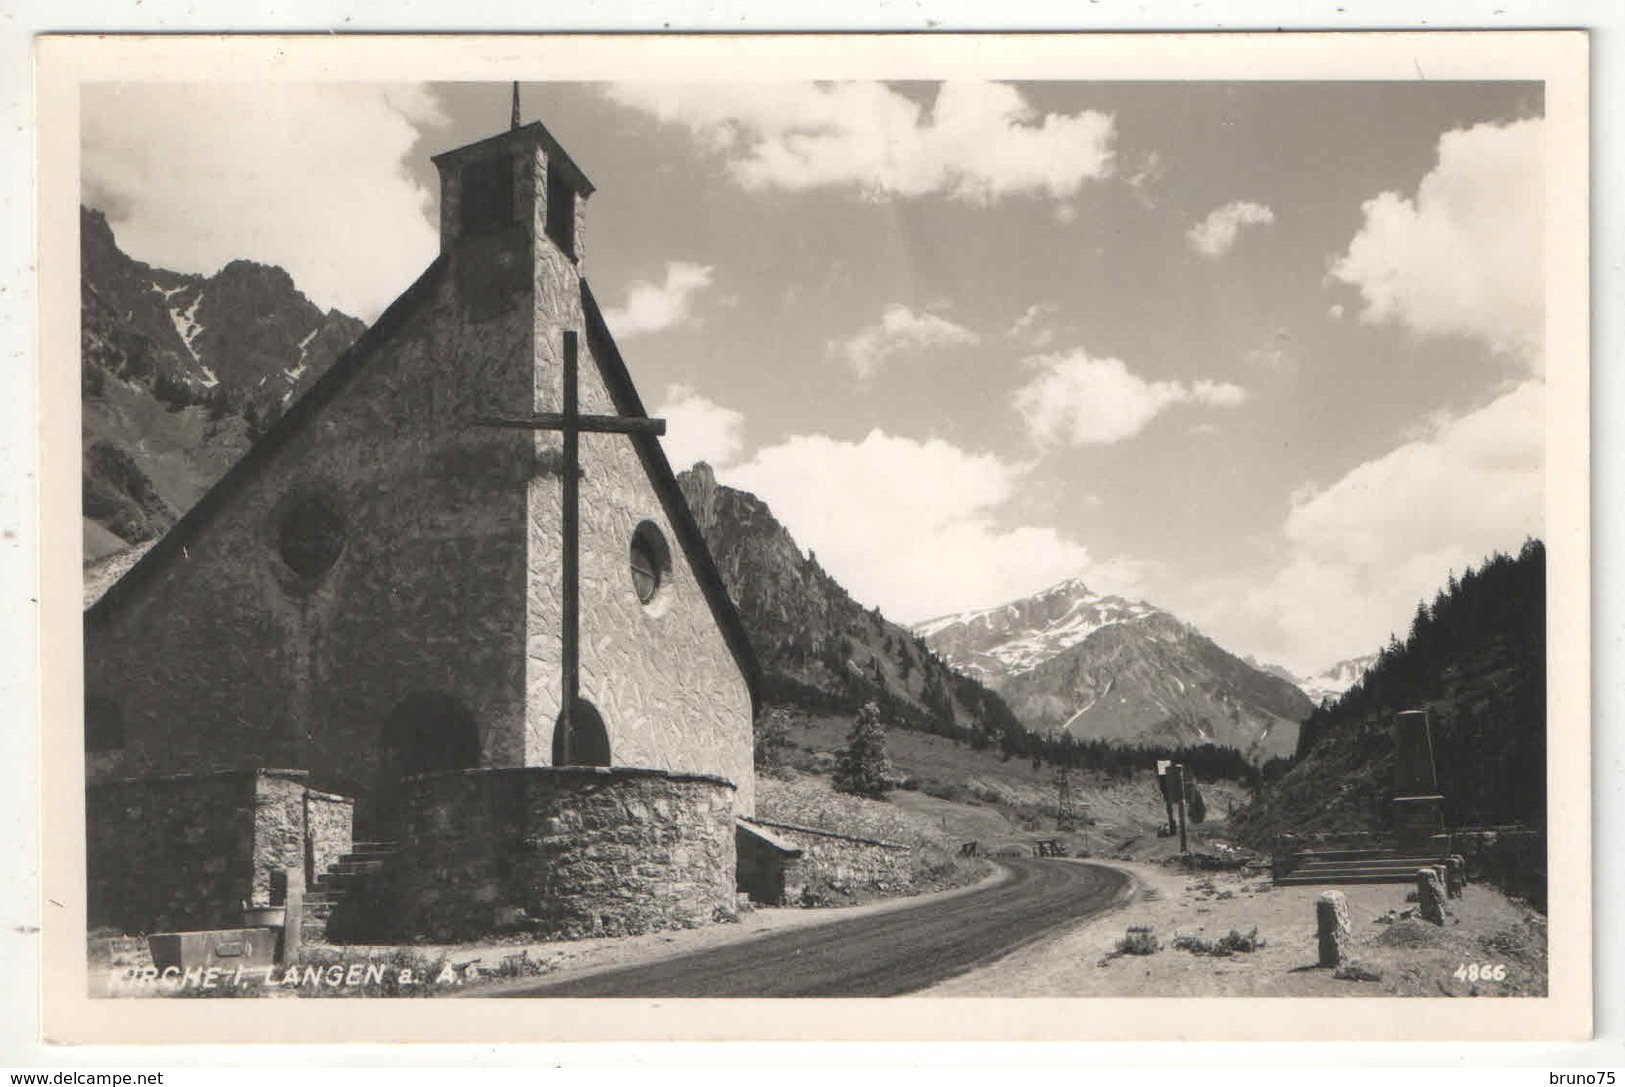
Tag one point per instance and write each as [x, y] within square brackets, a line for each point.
[378, 597]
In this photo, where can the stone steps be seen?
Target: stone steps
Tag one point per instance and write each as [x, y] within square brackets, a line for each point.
[1369, 866]
[1342, 878]
[1308, 855]
[349, 891]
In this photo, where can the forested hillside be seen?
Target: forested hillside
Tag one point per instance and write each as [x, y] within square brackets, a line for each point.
[1475, 659]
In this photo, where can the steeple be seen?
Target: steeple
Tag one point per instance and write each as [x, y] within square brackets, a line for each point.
[520, 180]
[515, 122]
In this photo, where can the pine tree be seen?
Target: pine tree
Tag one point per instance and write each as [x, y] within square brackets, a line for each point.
[773, 743]
[863, 768]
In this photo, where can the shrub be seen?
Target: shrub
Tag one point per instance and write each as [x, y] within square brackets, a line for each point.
[1223, 947]
[773, 743]
[1139, 940]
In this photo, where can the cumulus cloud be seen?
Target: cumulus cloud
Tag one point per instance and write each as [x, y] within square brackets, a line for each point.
[652, 307]
[979, 142]
[1074, 399]
[698, 429]
[1464, 257]
[900, 329]
[913, 526]
[1361, 553]
[1214, 236]
[308, 176]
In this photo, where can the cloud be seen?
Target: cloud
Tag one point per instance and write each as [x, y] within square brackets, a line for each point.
[308, 176]
[1361, 553]
[900, 329]
[1214, 236]
[653, 307]
[1078, 400]
[698, 429]
[1335, 311]
[1464, 258]
[1032, 324]
[1270, 359]
[911, 526]
[979, 142]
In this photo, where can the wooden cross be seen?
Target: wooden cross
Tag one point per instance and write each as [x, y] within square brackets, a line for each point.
[573, 424]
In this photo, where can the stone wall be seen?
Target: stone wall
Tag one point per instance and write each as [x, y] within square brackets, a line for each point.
[187, 851]
[831, 865]
[563, 853]
[330, 828]
[279, 831]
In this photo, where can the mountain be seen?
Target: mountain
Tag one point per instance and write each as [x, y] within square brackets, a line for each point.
[1279, 671]
[1475, 659]
[178, 374]
[818, 647]
[1337, 679]
[993, 644]
[1102, 667]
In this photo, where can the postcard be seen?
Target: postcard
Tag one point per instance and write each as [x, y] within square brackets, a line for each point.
[816, 536]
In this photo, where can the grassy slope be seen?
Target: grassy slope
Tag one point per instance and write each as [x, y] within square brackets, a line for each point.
[183, 452]
[976, 795]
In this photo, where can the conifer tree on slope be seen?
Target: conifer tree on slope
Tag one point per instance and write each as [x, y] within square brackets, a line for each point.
[863, 767]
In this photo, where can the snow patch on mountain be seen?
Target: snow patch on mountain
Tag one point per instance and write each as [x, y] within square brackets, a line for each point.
[186, 323]
[297, 370]
[1020, 635]
[1337, 679]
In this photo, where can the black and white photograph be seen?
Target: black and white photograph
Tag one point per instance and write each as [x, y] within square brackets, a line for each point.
[910, 525]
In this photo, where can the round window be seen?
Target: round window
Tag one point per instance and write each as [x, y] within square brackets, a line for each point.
[651, 561]
[311, 537]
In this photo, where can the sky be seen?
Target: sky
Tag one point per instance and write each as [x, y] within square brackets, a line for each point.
[1267, 355]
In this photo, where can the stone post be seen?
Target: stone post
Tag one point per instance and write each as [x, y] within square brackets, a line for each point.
[1333, 930]
[1457, 872]
[289, 885]
[1430, 895]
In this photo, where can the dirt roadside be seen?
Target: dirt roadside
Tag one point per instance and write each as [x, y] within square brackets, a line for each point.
[1408, 957]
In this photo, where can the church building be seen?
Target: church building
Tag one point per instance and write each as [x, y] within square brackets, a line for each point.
[447, 631]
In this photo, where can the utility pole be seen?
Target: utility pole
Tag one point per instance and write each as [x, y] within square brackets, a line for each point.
[1178, 769]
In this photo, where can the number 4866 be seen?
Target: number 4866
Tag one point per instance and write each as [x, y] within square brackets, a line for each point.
[1481, 972]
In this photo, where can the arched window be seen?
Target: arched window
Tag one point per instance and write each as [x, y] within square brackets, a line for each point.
[560, 223]
[427, 732]
[585, 742]
[487, 195]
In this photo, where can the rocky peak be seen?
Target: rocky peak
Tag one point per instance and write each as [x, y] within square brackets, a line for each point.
[699, 487]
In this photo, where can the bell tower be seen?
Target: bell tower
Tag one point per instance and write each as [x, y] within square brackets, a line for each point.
[515, 181]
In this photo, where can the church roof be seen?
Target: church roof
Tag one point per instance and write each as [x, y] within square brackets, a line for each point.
[534, 132]
[339, 374]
